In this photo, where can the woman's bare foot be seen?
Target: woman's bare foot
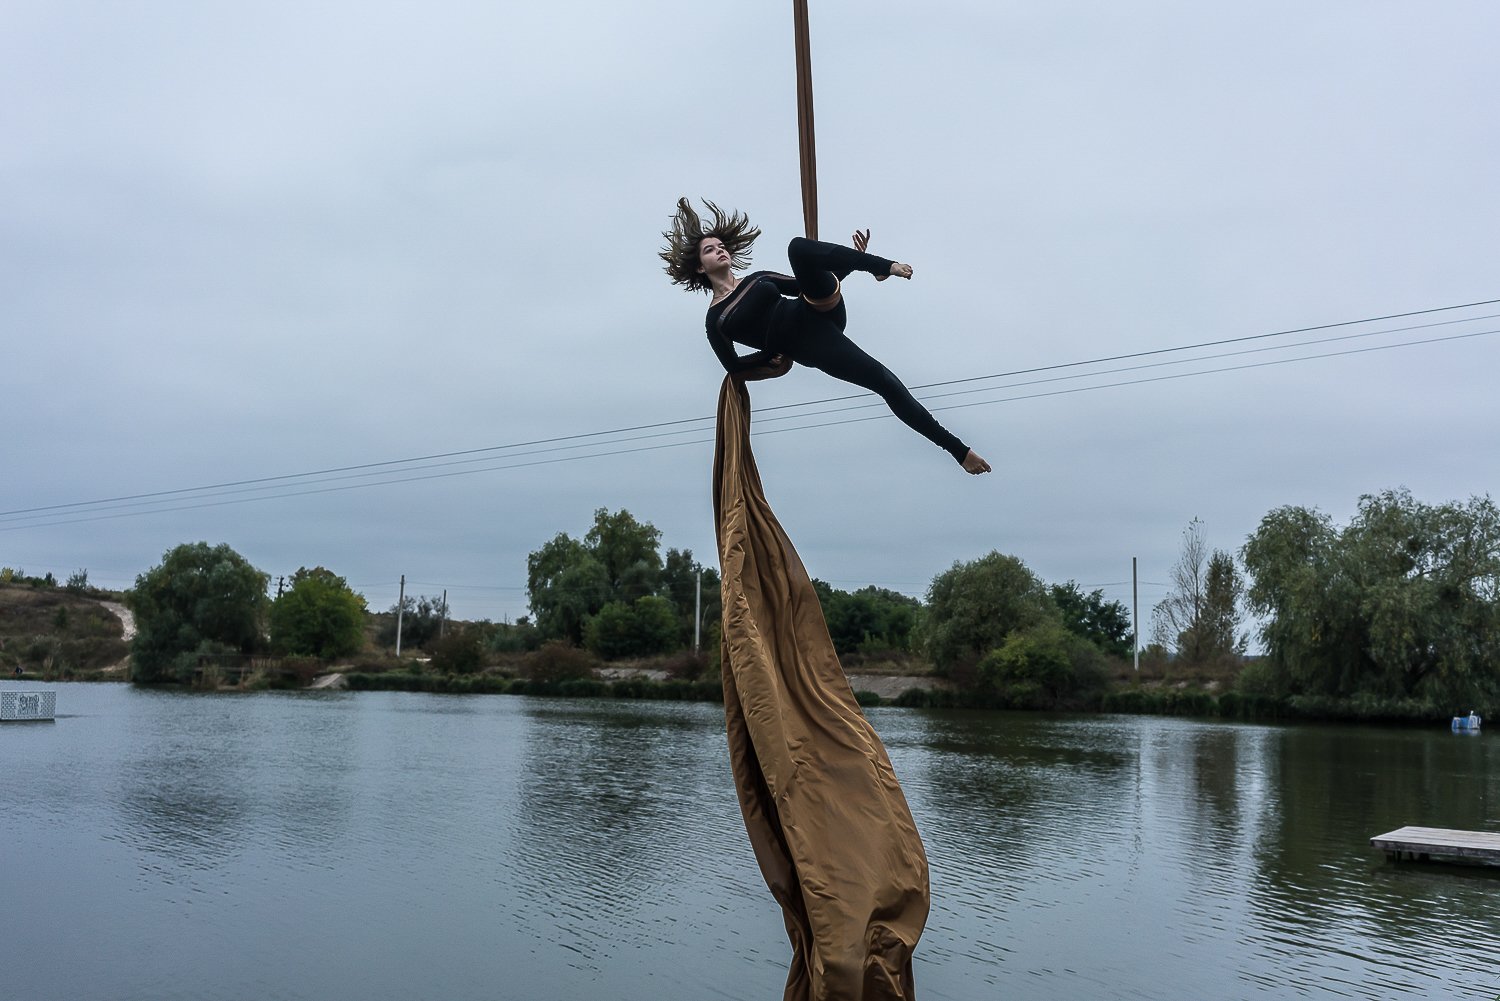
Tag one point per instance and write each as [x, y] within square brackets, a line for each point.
[973, 463]
[862, 243]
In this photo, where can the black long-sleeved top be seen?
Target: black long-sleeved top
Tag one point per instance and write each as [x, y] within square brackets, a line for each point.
[749, 315]
[756, 314]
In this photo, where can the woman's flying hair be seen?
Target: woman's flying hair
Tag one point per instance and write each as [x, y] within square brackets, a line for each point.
[681, 251]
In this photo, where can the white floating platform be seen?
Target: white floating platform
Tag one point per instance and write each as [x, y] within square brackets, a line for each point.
[19, 707]
[1422, 843]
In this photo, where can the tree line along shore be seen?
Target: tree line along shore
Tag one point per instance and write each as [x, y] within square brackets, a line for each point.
[1394, 616]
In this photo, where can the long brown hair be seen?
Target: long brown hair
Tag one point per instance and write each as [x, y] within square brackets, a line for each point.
[681, 251]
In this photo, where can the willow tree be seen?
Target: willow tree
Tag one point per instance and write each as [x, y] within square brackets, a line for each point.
[1404, 602]
[202, 602]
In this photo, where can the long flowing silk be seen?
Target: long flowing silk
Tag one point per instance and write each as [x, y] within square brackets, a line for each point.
[827, 820]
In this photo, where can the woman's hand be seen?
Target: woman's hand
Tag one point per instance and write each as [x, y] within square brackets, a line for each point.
[861, 241]
[774, 368]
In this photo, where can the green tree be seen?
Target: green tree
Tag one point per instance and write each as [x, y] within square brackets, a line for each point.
[459, 651]
[868, 620]
[679, 582]
[420, 621]
[1042, 667]
[972, 607]
[511, 637]
[627, 550]
[1106, 624]
[641, 628]
[1403, 603]
[1201, 614]
[319, 615]
[201, 600]
[569, 581]
[566, 585]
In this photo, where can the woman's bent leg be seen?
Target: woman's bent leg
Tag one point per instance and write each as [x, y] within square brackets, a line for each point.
[828, 350]
[818, 267]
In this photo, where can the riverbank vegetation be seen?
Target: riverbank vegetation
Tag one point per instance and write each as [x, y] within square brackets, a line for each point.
[58, 631]
[1394, 617]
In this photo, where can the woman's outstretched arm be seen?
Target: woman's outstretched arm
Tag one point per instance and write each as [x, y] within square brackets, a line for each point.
[734, 363]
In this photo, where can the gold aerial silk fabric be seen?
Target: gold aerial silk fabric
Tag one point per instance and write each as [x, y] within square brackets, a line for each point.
[830, 827]
[806, 145]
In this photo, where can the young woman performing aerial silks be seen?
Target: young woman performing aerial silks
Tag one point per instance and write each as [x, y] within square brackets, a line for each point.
[755, 310]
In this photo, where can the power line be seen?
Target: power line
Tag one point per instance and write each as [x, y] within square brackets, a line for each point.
[118, 505]
[1139, 368]
[695, 420]
[98, 516]
[265, 484]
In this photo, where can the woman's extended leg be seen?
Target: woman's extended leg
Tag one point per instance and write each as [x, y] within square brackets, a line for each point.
[825, 348]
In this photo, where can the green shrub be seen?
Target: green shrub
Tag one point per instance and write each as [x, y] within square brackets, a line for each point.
[576, 688]
[318, 615]
[507, 637]
[557, 661]
[973, 607]
[458, 652]
[1042, 667]
[686, 666]
[1136, 701]
[642, 628]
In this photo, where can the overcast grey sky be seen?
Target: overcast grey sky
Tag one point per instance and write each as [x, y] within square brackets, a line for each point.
[251, 240]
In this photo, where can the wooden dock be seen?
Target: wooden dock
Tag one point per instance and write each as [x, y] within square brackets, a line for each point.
[1424, 843]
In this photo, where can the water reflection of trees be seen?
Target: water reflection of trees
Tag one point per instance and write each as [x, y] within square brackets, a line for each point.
[1004, 784]
[626, 816]
[206, 779]
[1319, 881]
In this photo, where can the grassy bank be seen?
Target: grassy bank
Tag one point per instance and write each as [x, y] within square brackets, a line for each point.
[1134, 699]
[54, 634]
[1231, 705]
[591, 688]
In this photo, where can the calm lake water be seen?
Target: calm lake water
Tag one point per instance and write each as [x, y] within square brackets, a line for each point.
[367, 846]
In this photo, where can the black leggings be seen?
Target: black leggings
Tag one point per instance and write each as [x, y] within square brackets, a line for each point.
[817, 338]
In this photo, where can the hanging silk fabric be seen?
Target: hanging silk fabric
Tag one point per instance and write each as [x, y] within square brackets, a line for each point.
[827, 820]
[806, 147]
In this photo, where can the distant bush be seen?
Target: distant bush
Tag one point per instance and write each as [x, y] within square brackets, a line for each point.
[417, 620]
[973, 607]
[642, 628]
[458, 652]
[377, 662]
[15, 575]
[935, 698]
[558, 661]
[1043, 667]
[686, 666]
[319, 615]
[511, 637]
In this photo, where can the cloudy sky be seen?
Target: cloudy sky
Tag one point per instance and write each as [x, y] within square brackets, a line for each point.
[241, 242]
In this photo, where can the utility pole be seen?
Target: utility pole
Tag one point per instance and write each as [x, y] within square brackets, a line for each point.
[279, 582]
[443, 614]
[1135, 614]
[698, 611]
[400, 609]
